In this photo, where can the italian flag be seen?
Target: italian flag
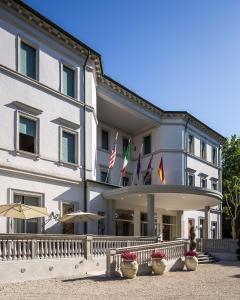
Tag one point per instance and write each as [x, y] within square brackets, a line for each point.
[126, 159]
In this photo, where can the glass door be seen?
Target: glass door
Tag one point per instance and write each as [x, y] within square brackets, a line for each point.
[169, 227]
[124, 222]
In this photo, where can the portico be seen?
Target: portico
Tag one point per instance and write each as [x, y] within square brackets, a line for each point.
[164, 200]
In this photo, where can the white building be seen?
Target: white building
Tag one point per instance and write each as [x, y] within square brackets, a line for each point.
[59, 117]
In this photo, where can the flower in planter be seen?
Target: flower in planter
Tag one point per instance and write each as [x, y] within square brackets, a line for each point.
[191, 253]
[158, 254]
[129, 255]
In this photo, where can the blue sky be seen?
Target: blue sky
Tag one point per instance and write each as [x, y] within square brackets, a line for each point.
[178, 54]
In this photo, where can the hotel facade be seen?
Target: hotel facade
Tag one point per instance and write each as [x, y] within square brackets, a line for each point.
[59, 116]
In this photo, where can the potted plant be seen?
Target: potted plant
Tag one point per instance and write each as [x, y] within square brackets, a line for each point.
[159, 262]
[191, 260]
[129, 265]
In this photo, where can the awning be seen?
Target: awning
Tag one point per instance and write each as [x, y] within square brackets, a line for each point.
[169, 197]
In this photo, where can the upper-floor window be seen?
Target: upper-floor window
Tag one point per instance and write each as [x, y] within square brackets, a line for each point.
[214, 155]
[190, 145]
[105, 143]
[203, 150]
[104, 177]
[68, 147]
[147, 144]
[125, 145]
[125, 181]
[203, 182]
[214, 185]
[68, 80]
[28, 60]
[190, 179]
[27, 134]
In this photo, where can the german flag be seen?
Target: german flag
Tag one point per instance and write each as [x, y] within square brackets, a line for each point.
[161, 171]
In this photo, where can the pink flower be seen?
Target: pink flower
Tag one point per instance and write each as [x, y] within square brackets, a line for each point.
[129, 255]
[158, 254]
[191, 253]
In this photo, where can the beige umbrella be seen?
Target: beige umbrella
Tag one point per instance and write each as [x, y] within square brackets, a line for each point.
[22, 211]
[79, 216]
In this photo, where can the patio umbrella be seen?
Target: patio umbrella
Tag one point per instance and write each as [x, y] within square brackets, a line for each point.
[22, 211]
[79, 216]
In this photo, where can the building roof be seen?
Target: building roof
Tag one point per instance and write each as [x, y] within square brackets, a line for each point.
[34, 17]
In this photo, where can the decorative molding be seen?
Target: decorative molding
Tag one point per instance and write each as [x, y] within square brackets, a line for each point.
[27, 108]
[67, 123]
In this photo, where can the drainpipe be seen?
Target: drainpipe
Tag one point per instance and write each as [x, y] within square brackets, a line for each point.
[84, 142]
[185, 149]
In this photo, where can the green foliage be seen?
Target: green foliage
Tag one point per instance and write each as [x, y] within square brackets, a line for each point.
[231, 185]
[193, 245]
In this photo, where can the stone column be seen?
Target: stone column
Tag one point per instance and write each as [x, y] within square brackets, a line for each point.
[137, 223]
[110, 218]
[150, 215]
[179, 224]
[207, 222]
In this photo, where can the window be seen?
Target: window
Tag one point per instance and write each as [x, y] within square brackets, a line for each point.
[214, 155]
[105, 145]
[203, 183]
[124, 222]
[169, 227]
[203, 150]
[147, 144]
[27, 135]
[125, 181]
[190, 179]
[190, 148]
[28, 60]
[68, 147]
[68, 81]
[214, 185]
[30, 225]
[125, 145]
[104, 176]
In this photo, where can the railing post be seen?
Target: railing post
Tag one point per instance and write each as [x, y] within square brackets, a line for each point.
[111, 262]
[88, 247]
[33, 249]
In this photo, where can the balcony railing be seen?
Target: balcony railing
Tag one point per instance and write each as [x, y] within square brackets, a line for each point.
[43, 246]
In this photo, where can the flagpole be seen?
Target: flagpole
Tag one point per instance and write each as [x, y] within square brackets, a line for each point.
[129, 141]
[107, 175]
[134, 175]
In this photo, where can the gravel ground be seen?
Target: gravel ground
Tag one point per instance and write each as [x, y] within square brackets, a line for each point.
[211, 281]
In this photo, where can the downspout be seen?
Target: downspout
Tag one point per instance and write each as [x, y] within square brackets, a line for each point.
[220, 189]
[185, 152]
[84, 142]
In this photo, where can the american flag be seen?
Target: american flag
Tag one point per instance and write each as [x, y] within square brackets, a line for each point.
[112, 157]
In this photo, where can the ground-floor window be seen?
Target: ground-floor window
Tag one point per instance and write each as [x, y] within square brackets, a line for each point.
[31, 225]
[144, 222]
[214, 229]
[124, 222]
[67, 228]
[169, 227]
[200, 227]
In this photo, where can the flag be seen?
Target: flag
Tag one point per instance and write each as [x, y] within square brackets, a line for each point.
[126, 159]
[161, 171]
[112, 157]
[139, 163]
[148, 174]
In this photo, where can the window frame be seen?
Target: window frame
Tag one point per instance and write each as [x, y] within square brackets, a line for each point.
[70, 66]
[76, 146]
[17, 130]
[212, 160]
[192, 150]
[193, 175]
[143, 139]
[201, 180]
[104, 170]
[108, 142]
[22, 39]
[204, 156]
[212, 183]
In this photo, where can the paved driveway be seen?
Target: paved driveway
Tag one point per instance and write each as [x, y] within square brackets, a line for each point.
[213, 281]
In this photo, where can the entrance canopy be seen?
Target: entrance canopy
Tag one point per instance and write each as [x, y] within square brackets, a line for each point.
[169, 197]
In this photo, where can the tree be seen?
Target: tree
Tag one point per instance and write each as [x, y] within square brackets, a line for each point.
[231, 184]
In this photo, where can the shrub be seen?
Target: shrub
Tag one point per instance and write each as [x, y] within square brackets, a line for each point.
[192, 238]
[238, 250]
[193, 245]
[129, 255]
[191, 253]
[158, 254]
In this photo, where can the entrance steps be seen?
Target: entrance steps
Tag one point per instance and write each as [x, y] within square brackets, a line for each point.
[206, 258]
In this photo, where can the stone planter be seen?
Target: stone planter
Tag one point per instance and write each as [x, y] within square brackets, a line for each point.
[191, 263]
[129, 268]
[159, 265]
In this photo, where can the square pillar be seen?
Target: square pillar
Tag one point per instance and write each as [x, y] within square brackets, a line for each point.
[180, 224]
[206, 222]
[150, 215]
[137, 223]
[110, 218]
